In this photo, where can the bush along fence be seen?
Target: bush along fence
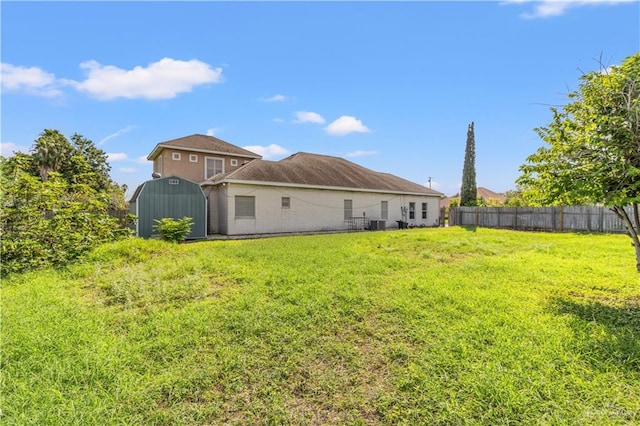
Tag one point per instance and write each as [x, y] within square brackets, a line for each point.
[561, 218]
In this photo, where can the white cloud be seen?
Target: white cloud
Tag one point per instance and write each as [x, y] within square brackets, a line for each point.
[356, 154]
[143, 160]
[33, 80]
[164, 79]
[116, 156]
[308, 117]
[550, 8]
[128, 170]
[213, 131]
[346, 124]
[116, 134]
[268, 152]
[7, 149]
[275, 98]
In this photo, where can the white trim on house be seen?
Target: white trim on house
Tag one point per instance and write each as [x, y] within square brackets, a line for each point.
[160, 147]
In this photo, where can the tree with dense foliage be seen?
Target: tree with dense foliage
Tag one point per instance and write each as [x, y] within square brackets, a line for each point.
[469, 190]
[593, 152]
[54, 203]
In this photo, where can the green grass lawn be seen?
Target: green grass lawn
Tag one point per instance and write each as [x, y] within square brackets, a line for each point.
[423, 326]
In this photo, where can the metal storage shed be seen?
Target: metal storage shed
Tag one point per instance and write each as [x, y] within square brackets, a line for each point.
[172, 197]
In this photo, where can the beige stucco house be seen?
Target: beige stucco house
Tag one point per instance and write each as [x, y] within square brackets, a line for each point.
[198, 157]
[301, 193]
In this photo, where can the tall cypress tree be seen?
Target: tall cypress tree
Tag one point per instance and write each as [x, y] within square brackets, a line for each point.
[469, 190]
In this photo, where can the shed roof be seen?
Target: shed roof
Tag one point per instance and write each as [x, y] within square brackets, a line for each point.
[202, 143]
[320, 170]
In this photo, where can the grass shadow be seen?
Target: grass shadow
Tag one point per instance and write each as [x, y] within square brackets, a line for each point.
[605, 333]
[470, 228]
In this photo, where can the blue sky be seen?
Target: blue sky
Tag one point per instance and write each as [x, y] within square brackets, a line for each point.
[389, 85]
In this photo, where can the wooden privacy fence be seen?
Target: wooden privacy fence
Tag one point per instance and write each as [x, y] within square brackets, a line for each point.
[574, 218]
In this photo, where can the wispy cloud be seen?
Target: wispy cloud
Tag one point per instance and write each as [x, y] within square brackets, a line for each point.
[164, 79]
[143, 160]
[116, 156]
[32, 80]
[116, 134]
[345, 125]
[356, 154]
[433, 184]
[275, 98]
[8, 149]
[551, 8]
[308, 117]
[269, 152]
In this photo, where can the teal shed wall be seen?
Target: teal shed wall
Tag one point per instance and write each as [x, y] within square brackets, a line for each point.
[164, 197]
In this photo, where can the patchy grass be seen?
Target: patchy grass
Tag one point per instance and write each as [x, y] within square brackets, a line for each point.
[423, 326]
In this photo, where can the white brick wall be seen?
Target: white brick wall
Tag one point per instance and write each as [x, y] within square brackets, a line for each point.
[310, 209]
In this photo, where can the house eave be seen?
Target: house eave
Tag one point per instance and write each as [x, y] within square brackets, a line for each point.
[321, 187]
[158, 149]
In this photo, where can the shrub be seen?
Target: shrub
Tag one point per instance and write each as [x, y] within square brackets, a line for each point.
[173, 230]
[50, 223]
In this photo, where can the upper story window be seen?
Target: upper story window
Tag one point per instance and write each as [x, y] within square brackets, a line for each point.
[213, 166]
[176, 156]
[193, 158]
[234, 162]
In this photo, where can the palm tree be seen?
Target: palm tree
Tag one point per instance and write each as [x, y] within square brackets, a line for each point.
[49, 152]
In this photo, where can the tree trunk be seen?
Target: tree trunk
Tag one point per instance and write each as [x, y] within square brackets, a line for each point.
[632, 228]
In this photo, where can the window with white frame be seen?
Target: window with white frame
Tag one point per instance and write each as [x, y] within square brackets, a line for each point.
[384, 210]
[176, 156]
[348, 209]
[286, 202]
[213, 166]
[245, 207]
[193, 158]
[412, 210]
[234, 162]
[424, 210]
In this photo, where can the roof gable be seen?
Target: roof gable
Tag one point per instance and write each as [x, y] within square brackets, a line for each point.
[321, 170]
[202, 143]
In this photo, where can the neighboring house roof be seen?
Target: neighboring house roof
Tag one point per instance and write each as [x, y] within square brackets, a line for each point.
[313, 170]
[202, 143]
[482, 192]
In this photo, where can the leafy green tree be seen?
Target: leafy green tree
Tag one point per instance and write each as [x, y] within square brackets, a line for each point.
[515, 198]
[593, 152]
[54, 203]
[469, 190]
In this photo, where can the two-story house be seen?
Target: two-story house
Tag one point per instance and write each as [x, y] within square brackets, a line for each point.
[301, 193]
[198, 157]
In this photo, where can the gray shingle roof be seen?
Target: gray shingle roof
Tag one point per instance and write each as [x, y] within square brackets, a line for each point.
[321, 170]
[203, 143]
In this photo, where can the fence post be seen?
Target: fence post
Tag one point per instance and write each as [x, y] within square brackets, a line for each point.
[476, 224]
[561, 220]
